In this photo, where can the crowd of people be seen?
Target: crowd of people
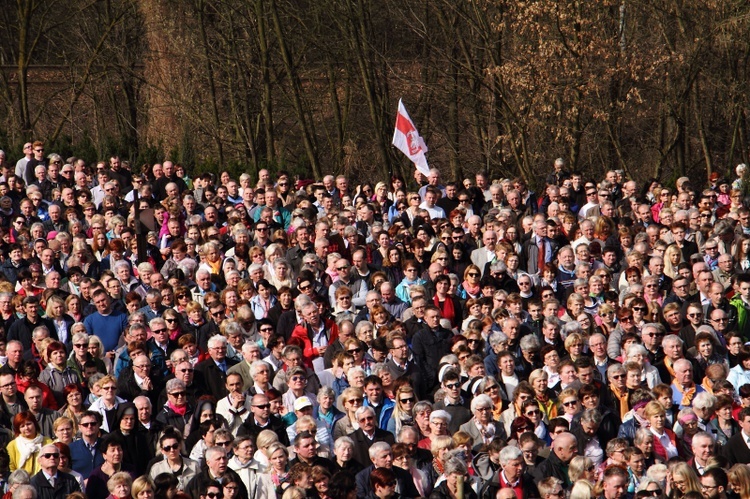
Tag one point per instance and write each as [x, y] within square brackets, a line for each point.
[291, 338]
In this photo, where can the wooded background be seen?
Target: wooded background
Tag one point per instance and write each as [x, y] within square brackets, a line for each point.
[658, 88]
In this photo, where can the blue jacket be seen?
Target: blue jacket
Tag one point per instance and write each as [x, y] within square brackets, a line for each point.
[82, 460]
[385, 413]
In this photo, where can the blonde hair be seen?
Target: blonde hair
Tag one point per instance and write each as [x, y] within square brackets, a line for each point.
[441, 442]
[583, 489]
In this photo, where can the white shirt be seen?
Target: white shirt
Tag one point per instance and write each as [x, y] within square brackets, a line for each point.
[670, 449]
[319, 339]
[510, 382]
[435, 211]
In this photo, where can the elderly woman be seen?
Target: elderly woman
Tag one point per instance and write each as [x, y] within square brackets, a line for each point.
[177, 412]
[119, 485]
[639, 355]
[24, 449]
[482, 428]
[586, 435]
[616, 375]
[297, 382]
[454, 472]
[439, 422]
[343, 450]
[543, 394]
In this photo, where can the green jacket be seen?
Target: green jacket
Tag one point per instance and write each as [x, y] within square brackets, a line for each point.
[743, 316]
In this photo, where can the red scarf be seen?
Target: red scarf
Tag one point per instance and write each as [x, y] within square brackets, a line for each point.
[471, 290]
[178, 410]
[446, 308]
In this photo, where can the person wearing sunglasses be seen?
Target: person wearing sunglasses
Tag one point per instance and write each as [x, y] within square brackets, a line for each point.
[51, 482]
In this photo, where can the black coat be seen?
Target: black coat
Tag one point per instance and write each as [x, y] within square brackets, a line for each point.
[736, 450]
[552, 466]
[128, 388]
[65, 484]
[429, 347]
[214, 378]
[275, 424]
[362, 444]
[195, 485]
[405, 487]
[442, 492]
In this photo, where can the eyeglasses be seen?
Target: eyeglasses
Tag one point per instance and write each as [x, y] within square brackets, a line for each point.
[473, 274]
[215, 495]
[411, 270]
[355, 350]
[650, 492]
[217, 313]
[81, 345]
[356, 401]
[170, 448]
[695, 316]
[8, 385]
[305, 287]
[109, 388]
[627, 319]
[261, 229]
[570, 403]
[409, 400]
[641, 309]
[171, 320]
[297, 379]
[181, 296]
[224, 444]
[618, 376]
[89, 425]
[177, 394]
[266, 330]
[263, 406]
[186, 370]
[655, 335]
[51, 455]
[452, 386]
[533, 413]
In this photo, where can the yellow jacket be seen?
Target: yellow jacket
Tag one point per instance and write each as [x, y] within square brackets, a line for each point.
[31, 465]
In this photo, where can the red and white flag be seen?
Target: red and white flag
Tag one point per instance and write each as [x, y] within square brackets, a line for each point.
[407, 140]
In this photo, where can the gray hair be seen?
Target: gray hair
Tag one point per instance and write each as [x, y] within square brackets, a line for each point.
[19, 492]
[440, 414]
[377, 447]
[530, 342]
[614, 369]
[19, 477]
[496, 338]
[704, 400]
[570, 328]
[642, 435]
[216, 340]
[343, 441]
[481, 401]
[362, 410]
[671, 338]
[175, 384]
[256, 365]
[325, 390]
[509, 453]
[455, 465]
[591, 416]
[636, 349]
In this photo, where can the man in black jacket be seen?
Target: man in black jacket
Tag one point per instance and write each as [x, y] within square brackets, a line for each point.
[215, 369]
[737, 449]
[382, 457]
[564, 449]
[367, 434]
[262, 419]
[216, 469]
[50, 483]
[429, 346]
